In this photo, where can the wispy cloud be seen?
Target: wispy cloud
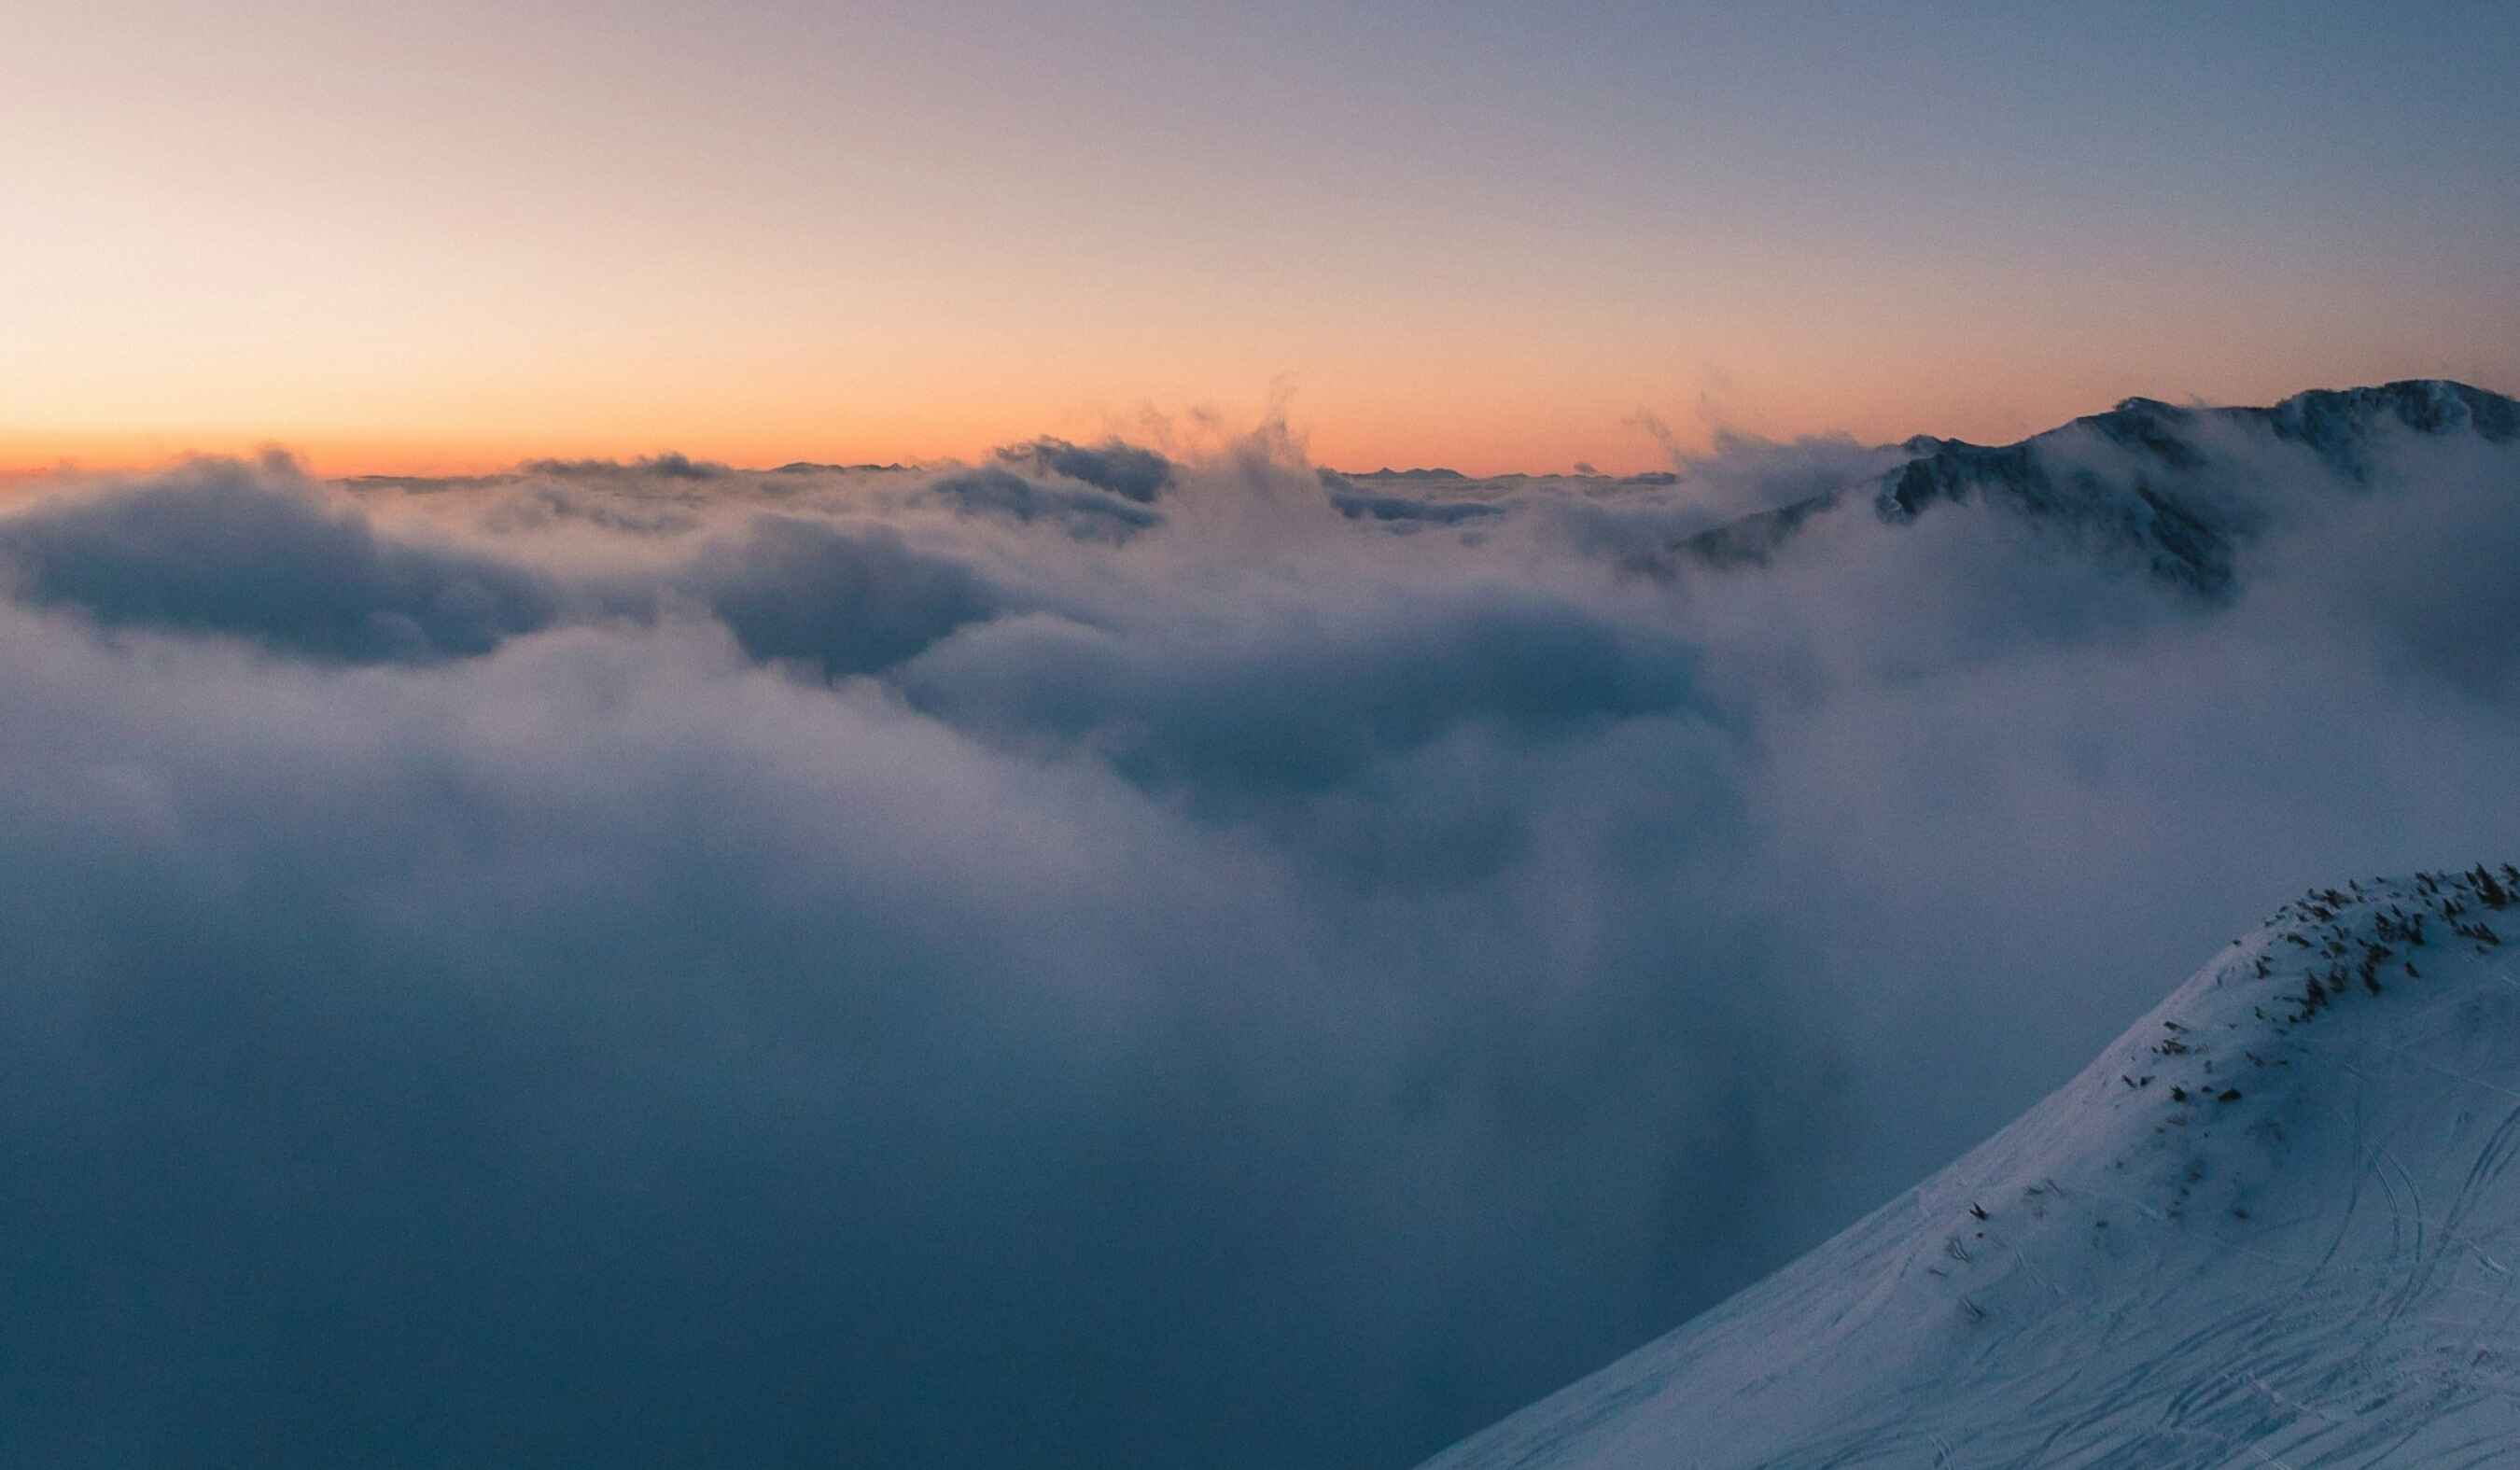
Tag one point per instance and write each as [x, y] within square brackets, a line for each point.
[953, 965]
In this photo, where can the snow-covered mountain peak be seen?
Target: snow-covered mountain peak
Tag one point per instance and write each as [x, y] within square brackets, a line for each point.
[2179, 492]
[2273, 1224]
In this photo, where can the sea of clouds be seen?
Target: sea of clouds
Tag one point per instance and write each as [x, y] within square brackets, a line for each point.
[1100, 956]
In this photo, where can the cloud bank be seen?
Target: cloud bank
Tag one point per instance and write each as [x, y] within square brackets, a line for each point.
[1100, 958]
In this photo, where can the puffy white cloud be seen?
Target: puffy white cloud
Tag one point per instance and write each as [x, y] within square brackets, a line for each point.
[618, 961]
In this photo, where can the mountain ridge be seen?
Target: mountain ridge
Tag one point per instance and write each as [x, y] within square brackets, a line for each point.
[2161, 505]
[2275, 1223]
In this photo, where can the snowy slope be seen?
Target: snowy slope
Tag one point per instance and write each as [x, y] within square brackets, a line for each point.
[2276, 1223]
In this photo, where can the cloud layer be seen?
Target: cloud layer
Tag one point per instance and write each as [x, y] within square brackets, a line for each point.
[1100, 958]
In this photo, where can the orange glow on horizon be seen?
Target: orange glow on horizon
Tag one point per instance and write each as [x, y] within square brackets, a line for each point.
[441, 240]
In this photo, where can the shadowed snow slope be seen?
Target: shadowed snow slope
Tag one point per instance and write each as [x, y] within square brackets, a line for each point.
[2275, 1223]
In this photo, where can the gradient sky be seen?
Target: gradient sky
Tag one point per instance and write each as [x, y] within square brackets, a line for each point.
[444, 237]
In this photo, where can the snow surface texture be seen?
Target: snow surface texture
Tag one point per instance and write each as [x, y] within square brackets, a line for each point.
[2276, 1223]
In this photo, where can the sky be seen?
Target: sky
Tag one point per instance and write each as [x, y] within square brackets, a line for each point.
[443, 238]
[533, 937]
